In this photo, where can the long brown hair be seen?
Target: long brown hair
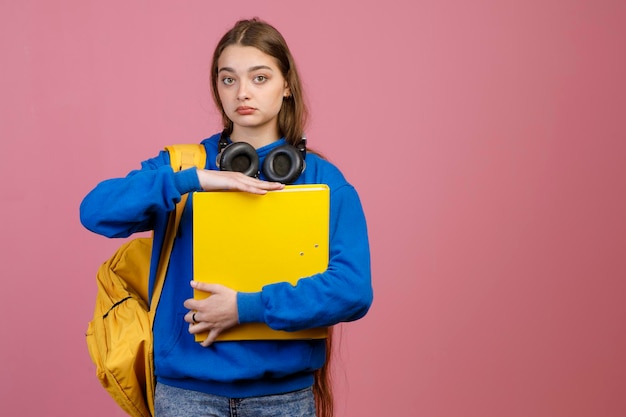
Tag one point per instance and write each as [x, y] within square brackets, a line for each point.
[323, 387]
[292, 120]
[293, 114]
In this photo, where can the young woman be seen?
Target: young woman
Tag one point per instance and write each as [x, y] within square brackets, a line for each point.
[256, 86]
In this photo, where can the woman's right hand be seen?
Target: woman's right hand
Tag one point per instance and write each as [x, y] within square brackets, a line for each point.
[211, 180]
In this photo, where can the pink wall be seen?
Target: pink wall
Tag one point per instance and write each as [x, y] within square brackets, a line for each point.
[486, 139]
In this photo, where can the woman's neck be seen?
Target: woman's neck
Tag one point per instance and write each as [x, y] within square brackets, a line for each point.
[255, 136]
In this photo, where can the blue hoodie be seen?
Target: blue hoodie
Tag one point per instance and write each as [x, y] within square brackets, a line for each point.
[142, 201]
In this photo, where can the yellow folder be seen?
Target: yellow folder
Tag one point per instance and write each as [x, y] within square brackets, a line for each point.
[246, 241]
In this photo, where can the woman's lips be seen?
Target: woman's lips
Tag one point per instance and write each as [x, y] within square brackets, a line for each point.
[244, 110]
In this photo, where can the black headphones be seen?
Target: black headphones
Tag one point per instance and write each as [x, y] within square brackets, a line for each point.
[283, 164]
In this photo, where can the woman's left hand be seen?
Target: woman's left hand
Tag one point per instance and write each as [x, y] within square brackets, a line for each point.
[213, 314]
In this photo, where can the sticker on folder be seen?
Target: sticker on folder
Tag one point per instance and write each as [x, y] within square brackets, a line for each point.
[246, 241]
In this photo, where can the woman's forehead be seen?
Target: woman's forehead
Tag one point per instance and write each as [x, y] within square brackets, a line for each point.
[244, 58]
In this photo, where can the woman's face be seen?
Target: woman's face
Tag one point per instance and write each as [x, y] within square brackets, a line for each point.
[251, 88]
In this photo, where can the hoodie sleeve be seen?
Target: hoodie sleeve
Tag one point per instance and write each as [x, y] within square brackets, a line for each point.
[342, 293]
[119, 207]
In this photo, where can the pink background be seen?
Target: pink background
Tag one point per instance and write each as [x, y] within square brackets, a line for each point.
[486, 140]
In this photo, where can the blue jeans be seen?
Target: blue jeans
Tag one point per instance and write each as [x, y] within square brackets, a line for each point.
[175, 402]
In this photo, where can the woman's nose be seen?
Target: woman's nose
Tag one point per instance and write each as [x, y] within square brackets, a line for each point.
[242, 92]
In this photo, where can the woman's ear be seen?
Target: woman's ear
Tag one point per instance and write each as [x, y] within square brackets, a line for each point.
[287, 92]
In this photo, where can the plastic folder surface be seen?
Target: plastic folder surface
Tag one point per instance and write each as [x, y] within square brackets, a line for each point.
[246, 241]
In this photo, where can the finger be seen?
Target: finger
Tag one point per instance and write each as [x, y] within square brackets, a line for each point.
[256, 182]
[200, 327]
[207, 287]
[211, 180]
[270, 186]
[190, 316]
[244, 183]
[253, 188]
[192, 304]
[213, 333]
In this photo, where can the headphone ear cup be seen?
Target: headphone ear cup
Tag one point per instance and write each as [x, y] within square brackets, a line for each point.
[283, 164]
[239, 157]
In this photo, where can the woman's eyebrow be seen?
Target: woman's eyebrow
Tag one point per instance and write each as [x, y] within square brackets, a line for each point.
[251, 69]
[259, 67]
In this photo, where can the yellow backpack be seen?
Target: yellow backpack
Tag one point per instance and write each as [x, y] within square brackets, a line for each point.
[119, 337]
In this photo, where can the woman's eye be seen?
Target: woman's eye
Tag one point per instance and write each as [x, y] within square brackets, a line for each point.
[228, 81]
[260, 78]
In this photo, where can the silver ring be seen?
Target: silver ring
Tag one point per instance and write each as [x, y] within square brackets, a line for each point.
[193, 318]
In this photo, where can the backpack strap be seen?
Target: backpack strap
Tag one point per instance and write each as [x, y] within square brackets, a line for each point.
[185, 156]
[182, 157]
